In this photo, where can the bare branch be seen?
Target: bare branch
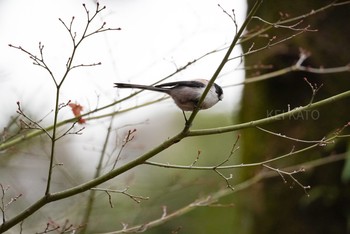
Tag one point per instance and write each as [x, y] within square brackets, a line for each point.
[37, 61]
[291, 27]
[63, 105]
[2, 207]
[86, 65]
[109, 198]
[135, 198]
[225, 178]
[84, 35]
[197, 158]
[90, 19]
[321, 142]
[69, 29]
[290, 175]
[66, 227]
[314, 90]
[233, 150]
[296, 67]
[232, 17]
[31, 122]
[3, 204]
[336, 3]
[303, 55]
[269, 44]
[69, 132]
[129, 137]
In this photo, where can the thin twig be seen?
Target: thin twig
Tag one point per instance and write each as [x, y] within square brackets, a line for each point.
[225, 178]
[86, 65]
[291, 27]
[232, 17]
[197, 158]
[215, 168]
[269, 44]
[37, 61]
[36, 124]
[321, 142]
[129, 137]
[69, 132]
[314, 90]
[135, 198]
[291, 175]
[4, 205]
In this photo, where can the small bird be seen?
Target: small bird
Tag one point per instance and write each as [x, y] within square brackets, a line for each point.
[186, 94]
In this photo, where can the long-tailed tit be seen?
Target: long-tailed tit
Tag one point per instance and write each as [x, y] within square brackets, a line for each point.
[186, 94]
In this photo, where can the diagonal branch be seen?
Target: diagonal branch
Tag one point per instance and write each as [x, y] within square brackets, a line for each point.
[223, 63]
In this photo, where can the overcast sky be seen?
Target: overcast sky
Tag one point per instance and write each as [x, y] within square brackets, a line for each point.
[156, 37]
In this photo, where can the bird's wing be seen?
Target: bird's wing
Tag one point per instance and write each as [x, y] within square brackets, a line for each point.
[191, 83]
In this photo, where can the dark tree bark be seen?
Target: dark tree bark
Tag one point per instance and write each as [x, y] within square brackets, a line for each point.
[278, 209]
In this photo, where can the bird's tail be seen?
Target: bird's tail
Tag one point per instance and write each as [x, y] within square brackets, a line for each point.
[136, 86]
